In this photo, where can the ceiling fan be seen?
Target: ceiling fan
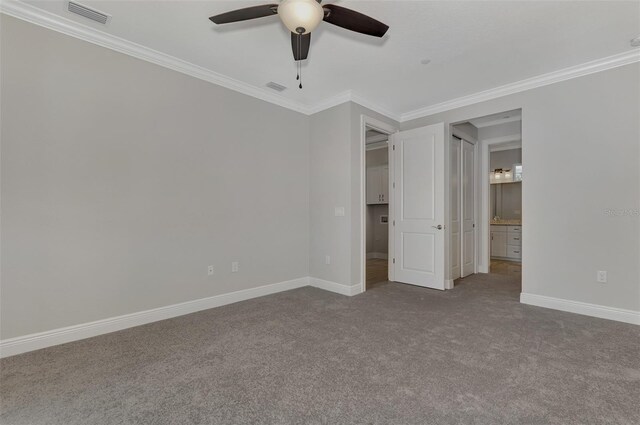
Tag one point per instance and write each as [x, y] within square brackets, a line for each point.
[303, 16]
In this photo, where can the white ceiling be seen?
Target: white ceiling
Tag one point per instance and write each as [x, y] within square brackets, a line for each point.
[473, 46]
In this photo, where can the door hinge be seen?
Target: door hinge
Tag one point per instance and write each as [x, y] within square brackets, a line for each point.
[474, 225]
[394, 147]
[394, 185]
[394, 222]
[394, 261]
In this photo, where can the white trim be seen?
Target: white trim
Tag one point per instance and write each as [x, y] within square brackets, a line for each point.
[356, 98]
[507, 146]
[512, 118]
[22, 344]
[587, 68]
[338, 288]
[351, 96]
[503, 139]
[54, 22]
[377, 255]
[330, 102]
[382, 127]
[35, 15]
[448, 283]
[594, 310]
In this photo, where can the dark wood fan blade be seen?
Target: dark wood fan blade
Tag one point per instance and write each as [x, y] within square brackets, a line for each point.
[245, 14]
[300, 45]
[354, 21]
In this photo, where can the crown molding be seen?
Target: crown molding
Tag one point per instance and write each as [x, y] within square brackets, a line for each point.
[330, 102]
[355, 98]
[37, 16]
[351, 96]
[587, 68]
[57, 23]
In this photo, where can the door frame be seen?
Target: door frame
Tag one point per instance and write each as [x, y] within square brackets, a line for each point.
[388, 129]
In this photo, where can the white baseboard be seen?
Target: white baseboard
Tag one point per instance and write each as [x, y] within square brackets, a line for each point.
[378, 255]
[595, 310]
[339, 288]
[22, 344]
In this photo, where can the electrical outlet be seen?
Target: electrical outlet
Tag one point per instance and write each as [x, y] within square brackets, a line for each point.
[234, 267]
[601, 276]
[327, 259]
[210, 271]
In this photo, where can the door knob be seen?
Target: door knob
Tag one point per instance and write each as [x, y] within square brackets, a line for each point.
[439, 227]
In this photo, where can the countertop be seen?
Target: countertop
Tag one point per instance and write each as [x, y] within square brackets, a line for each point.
[501, 222]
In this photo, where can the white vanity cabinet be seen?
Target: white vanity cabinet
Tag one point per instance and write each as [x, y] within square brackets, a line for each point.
[378, 184]
[506, 242]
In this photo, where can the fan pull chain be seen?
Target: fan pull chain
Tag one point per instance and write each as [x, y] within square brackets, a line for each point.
[300, 59]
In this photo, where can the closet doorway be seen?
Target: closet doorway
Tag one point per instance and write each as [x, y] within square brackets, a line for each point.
[463, 206]
[486, 183]
[377, 207]
[375, 202]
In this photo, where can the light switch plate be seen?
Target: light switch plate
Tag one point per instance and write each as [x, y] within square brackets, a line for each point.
[339, 211]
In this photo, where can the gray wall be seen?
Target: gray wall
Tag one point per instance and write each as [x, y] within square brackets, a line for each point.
[122, 181]
[335, 181]
[329, 188]
[505, 159]
[586, 132]
[501, 131]
[377, 157]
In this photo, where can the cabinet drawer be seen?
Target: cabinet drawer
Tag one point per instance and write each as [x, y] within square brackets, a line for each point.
[514, 229]
[514, 251]
[514, 239]
[497, 228]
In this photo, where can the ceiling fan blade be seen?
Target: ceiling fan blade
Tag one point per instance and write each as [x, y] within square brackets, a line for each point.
[300, 45]
[245, 14]
[354, 21]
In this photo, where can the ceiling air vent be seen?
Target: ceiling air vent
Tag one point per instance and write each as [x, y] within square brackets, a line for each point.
[276, 86]
[88, 13]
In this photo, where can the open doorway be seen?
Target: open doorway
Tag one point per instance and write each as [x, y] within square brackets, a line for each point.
[375, 199]
[486, 196]
[377, 207]
[505, 203]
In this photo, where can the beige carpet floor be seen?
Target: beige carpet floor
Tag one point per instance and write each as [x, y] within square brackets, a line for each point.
[396, 354]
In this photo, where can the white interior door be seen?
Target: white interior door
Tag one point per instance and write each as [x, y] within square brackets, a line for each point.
[454, 206]
[418, 205]
[468, 210]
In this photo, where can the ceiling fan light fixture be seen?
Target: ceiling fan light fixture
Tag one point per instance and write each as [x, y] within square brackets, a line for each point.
[300, 16]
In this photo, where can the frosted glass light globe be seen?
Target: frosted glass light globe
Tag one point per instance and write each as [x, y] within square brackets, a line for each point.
[300, 16]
